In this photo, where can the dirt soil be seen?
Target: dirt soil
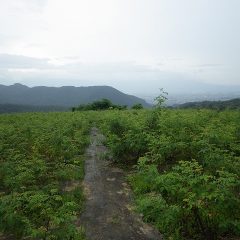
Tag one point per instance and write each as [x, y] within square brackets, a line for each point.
[108, 212]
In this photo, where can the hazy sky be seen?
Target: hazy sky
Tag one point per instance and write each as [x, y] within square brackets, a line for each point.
[135, 45]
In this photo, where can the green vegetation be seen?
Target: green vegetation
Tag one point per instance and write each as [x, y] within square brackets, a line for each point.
[14, 108]
[187, 175]
[104, 104]
[41, 154]
[137, 106]
[186, 169]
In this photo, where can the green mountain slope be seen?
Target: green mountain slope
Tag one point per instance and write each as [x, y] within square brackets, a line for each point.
[67, 96]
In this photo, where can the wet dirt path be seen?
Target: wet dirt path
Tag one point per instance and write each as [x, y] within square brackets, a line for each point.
[108, 214]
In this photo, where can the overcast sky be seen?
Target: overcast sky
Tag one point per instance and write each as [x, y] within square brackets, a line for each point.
[134, 45]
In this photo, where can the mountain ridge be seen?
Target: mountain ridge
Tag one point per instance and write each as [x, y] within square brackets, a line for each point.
[66, 96]
[217, 105]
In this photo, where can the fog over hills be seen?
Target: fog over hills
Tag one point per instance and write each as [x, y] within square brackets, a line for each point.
[183, 91]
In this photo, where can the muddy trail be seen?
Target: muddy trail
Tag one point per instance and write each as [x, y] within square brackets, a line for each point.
[108, 214]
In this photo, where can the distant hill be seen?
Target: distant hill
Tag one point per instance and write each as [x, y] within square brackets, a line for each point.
[15, 108]
[67, 96]
[219, 105]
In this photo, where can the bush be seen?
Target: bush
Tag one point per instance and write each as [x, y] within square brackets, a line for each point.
[187, 199]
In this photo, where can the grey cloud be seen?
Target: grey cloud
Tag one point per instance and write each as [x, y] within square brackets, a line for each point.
[33, 5]
[8, 61]
[210, 65]
[17, 61]
[4, 38]
[117, 67]
[70, 58]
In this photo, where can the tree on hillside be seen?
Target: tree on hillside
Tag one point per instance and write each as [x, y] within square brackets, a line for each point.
[102, 104]
[137, 106]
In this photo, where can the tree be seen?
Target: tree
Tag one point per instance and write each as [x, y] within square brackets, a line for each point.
[102, 104]
[160, 99]
[137, 106]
